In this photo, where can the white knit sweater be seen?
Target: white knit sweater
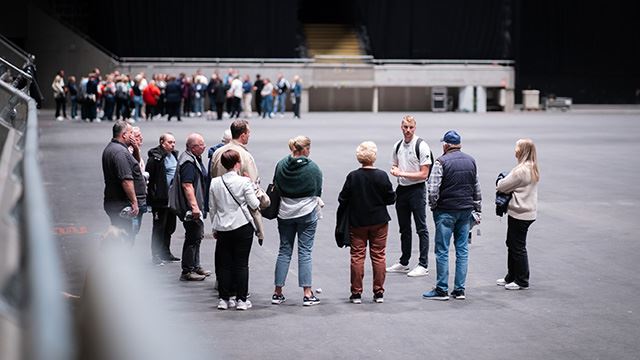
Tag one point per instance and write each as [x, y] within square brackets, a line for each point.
[524, 202]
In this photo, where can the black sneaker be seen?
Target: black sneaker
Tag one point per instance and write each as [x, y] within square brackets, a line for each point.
[277, 299]
[355, 298]
[458, 294]
[170, 258]
[310, 300]
[378, 298]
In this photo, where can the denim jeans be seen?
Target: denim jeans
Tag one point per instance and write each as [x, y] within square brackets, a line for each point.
[282, 102]
[305, 228]
[267, 106]
[137, 101]
[450, 222]
[74, 106]
[411, 200]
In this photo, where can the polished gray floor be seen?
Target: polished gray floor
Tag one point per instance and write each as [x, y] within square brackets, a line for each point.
[584, 248]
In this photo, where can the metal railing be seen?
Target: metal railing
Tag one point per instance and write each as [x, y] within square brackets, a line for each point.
[32, 308]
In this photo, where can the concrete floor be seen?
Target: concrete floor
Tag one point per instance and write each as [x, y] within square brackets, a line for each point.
[583, 249]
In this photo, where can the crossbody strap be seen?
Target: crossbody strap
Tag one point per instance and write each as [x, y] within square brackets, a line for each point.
[229, 190]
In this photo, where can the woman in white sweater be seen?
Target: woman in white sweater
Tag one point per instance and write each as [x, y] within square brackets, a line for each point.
[230, 197]
[522, 183]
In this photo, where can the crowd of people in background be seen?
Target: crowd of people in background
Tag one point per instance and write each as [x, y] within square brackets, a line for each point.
[116, 96]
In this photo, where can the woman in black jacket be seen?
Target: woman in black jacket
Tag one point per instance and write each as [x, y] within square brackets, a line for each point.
[365, 195]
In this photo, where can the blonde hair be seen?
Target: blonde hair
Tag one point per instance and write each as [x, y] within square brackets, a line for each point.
[527, 156]
[409, 118]
[299, 143]
[366, 153]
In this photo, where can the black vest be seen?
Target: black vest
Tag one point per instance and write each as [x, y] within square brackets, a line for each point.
[458, 181]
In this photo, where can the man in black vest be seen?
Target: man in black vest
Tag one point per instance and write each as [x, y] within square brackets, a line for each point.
[454, 193]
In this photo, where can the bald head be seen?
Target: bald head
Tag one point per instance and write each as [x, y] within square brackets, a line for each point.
[195, 144]
[168, 142]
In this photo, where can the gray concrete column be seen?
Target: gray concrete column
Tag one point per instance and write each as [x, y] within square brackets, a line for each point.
[374, 107]
[509, 100]
[304, 101]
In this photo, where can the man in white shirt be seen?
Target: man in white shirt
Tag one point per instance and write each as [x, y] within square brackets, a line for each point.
[411, 161]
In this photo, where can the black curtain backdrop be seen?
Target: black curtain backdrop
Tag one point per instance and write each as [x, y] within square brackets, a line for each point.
[419, 29]
[195, 28]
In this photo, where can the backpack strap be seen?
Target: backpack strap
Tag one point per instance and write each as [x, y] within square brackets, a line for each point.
[417, 149]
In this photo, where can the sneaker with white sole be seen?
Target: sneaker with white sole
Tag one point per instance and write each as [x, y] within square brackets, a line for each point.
[277, 299]
[378, 298]
[223, 304]
[310, 300]
[243, 305]
[355, 299]
[436, 294]
[398, 268]
[418, 271]
[458, 294]
[232, 302]
[514, 286]
[501, 282]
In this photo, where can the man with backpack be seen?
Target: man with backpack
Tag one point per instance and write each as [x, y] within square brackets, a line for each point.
[411, 162]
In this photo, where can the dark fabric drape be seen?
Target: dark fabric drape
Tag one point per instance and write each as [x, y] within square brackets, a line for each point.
[196, 28]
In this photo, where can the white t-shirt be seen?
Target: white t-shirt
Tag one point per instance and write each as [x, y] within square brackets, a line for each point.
[406, 159]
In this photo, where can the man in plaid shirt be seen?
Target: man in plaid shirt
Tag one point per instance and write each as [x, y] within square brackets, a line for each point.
[454, 194]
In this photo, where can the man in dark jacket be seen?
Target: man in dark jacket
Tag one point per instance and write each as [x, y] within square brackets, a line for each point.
[173, 97]
[454, 193]
[161, 166]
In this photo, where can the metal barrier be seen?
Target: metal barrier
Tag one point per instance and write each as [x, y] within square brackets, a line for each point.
[35, 322]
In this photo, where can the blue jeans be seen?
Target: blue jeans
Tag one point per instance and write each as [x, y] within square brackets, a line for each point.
[282, 102]
[450, 222]
[411, 200]
[267, 106]
[137, 101]
[305, 227]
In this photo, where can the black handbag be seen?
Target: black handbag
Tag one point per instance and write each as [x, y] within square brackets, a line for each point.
[342, 234]
[271, 212]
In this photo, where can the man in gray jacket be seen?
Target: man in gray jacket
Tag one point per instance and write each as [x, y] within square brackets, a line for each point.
[454, 193]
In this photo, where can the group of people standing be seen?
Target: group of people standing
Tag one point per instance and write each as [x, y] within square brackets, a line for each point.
[117, 96]
[228, 191]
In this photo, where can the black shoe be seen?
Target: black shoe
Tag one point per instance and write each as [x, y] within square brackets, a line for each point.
[277, 299]
[170, 258]
[458, 294]
[310, 300]
[378, 297]
[355, 298]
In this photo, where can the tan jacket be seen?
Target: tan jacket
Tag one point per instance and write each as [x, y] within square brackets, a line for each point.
[524, 202]
[248, 163]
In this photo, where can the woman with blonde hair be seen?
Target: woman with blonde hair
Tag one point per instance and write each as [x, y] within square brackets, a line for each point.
[299, 181]
[522, 183]
[365, 195]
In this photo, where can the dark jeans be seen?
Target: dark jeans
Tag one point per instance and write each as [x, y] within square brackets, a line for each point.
[173, 109]
[113, 211]
[412, 200]
[150, 111]
[234, 247]
[164, 224]
[235, 107]
[74, 106]
[193, 234]
[296, 107]
[61, 103]
[258, 99]
[219, 109]
[517, 259]
[109, 106]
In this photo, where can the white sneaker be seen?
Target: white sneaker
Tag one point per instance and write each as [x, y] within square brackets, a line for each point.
[501, 282]
[243, 305]
[222, 305]
[398, 268]
[60, 118]
[418, 271]
[232, 302]
[514, 286]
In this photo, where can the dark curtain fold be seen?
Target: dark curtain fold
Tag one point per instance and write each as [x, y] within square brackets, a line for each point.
[196, 28]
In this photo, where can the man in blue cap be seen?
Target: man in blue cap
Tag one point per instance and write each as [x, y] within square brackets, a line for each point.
[454, 193]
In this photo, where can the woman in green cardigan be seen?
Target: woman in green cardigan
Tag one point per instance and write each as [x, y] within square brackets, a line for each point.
[299, 181]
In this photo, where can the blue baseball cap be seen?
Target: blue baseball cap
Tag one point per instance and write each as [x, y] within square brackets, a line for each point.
[451, 137]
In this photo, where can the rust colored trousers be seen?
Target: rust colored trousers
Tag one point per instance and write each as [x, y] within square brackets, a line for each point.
[376, 237]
